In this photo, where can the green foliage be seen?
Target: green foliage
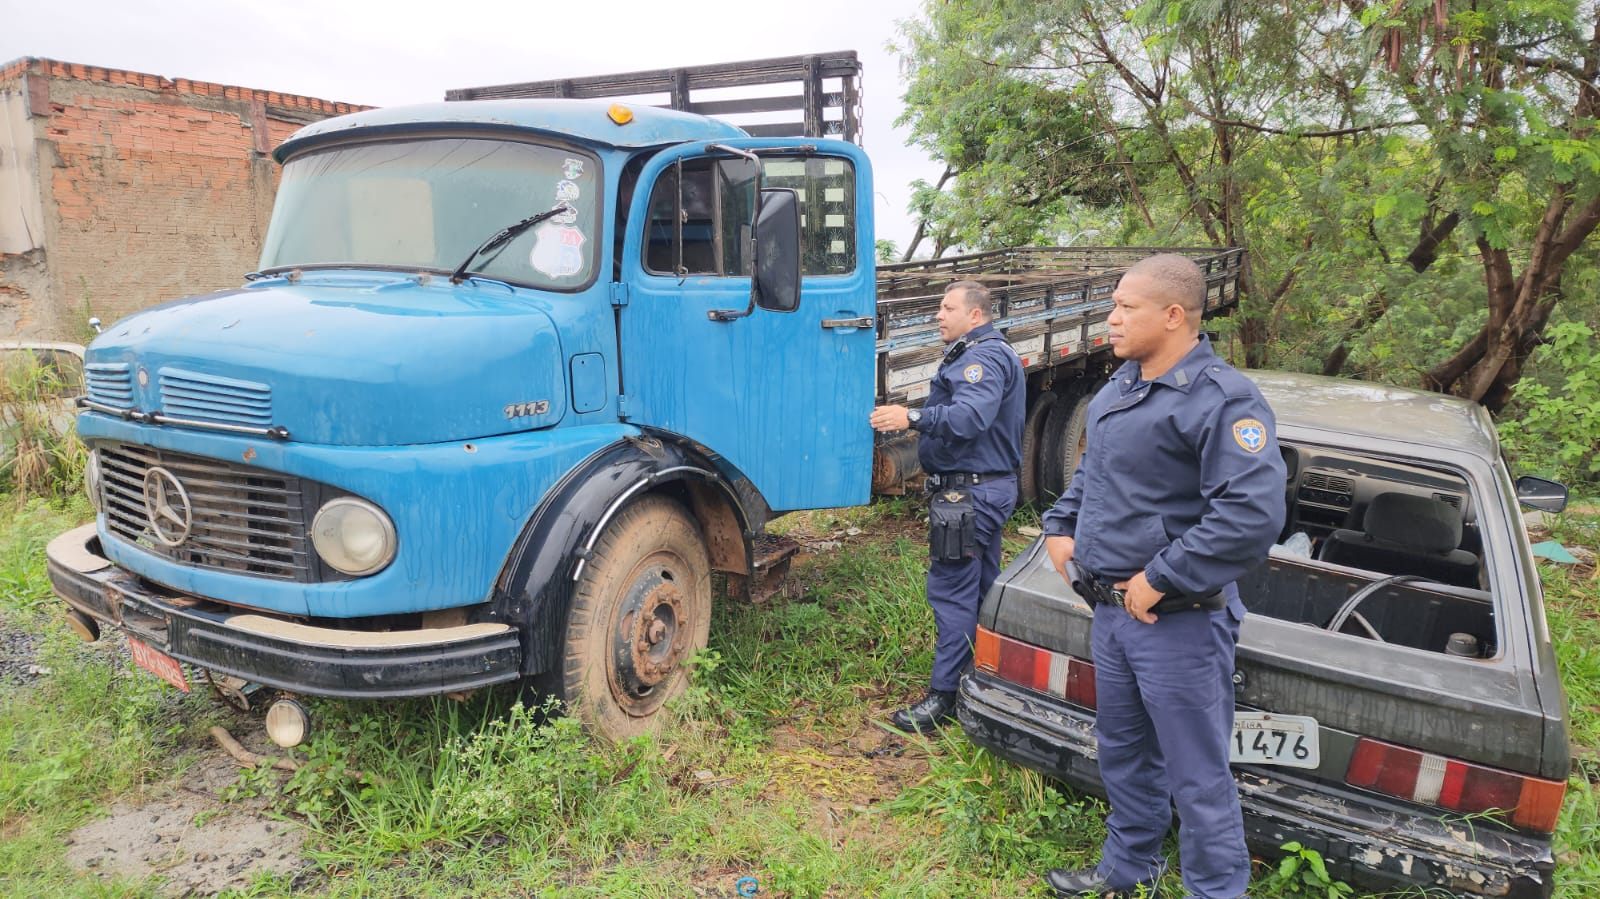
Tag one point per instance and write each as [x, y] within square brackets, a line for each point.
[1302, 873]
[519, 772]
[40, 454]
[992, 813]
[1571, 596]
[768, 771]
[1366, 192]
[1559, 427]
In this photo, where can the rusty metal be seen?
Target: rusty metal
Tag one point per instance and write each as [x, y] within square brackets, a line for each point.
[823, 109]
[234, 691]
[770, 556]
[652, 641]
[894, 462]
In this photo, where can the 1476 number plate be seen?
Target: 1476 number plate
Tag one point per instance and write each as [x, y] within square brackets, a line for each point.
[1261, 738]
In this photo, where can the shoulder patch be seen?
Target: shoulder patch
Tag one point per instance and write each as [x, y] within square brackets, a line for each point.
[1250, 434]
[973, 373]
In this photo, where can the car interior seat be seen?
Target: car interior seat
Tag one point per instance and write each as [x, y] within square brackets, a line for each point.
[1406, 534]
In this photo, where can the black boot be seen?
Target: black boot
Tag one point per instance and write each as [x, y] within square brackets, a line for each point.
[1086, 883]
[935, 709]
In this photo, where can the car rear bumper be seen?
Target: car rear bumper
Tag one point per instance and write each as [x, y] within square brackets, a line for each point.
[1365, 840]
[277, 651]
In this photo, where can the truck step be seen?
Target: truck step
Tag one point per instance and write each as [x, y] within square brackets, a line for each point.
[769, 564]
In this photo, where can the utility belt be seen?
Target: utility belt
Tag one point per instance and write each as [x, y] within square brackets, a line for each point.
[1099, 590]
[952, 518]
[963, 479]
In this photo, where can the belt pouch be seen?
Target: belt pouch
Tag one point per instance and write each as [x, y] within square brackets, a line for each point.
[952, 527]
[1180, 602]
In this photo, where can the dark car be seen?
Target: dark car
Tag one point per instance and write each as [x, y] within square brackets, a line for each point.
[1399, 709]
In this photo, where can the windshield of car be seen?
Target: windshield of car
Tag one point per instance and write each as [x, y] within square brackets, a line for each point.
[425, 204]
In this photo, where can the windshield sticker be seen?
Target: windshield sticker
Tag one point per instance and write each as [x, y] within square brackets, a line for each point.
[571, 168]
[567, 190]
[557, 251]
[567, 215]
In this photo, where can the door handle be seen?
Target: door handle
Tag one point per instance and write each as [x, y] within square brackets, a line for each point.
[864, 321]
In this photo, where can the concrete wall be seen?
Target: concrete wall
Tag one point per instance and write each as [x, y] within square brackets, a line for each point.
[22, 270]
[145, 189]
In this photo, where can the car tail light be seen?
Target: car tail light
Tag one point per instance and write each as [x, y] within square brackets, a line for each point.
[1058, 674]
[1527, 802]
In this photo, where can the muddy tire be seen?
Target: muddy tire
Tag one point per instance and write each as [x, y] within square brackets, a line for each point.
[1065, 439]
[1028, 486]
[641, 608]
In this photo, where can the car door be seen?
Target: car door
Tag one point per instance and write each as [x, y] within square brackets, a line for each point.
[781, 395]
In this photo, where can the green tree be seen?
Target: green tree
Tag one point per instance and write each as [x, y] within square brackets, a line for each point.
[1414, 179]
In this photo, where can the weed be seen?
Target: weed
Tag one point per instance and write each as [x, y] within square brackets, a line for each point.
[1302, 872]
[760, 772]
[40, 454]
[1006, 818]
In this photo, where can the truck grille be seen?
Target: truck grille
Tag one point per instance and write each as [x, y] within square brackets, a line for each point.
[186, 394]
[243, 520]
[110, 383]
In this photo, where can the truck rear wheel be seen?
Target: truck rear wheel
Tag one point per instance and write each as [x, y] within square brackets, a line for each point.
[1028, 486]
[642, 607]
[1065, 439]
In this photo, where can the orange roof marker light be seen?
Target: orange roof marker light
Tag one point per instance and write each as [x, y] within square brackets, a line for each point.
[620, 114]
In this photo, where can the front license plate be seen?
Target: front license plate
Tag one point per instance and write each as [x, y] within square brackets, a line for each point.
[1261, 738]
[159, 663]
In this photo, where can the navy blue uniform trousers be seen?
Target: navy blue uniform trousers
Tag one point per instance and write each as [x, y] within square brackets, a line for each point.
[956, 589]
[1164, 720]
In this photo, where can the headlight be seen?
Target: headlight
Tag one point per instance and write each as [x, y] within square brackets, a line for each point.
[91, 479]
[353, 536]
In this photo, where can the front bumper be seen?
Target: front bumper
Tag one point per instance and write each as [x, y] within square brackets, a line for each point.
[1365, 840]
[275, 650]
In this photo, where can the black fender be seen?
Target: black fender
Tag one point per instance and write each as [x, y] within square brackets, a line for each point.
[535, 587]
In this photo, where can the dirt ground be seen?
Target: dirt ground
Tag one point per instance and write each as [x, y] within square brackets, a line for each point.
[196, 844]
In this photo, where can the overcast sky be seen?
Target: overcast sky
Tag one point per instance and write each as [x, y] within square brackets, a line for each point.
[404, 51]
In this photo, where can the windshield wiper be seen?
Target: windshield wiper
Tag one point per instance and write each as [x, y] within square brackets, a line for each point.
[500, 237]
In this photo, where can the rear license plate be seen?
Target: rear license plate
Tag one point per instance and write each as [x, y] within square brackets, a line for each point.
[159, 663]
[1260, 738]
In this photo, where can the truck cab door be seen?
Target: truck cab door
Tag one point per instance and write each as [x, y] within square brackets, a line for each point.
[782, 395]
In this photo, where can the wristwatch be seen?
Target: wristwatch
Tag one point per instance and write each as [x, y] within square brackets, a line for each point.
[914, 416]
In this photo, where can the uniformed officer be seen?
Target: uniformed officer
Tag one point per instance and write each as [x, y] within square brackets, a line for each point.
[970, 444]
[1180, 492]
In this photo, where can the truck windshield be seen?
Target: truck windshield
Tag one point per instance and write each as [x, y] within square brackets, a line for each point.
[425, 204]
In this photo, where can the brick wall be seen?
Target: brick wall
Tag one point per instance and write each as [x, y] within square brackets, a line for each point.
[152, 189]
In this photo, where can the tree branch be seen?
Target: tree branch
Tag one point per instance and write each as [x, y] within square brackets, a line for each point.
[1290, 132]
[1427, 249]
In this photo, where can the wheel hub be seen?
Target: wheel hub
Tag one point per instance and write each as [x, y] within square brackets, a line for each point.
[649, 642]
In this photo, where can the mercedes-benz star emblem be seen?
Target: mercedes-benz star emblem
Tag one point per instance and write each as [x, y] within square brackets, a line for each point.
[166, 505]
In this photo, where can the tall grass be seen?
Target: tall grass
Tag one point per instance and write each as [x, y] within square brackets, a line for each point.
[40, 454]
[1572, 601]
[775, 766]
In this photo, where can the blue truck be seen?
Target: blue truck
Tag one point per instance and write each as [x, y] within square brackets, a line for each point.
[516, 379]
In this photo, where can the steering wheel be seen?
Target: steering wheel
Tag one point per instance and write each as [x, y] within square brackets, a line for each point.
[1347, 610]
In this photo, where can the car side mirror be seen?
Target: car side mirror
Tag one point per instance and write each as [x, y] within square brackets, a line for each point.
[1541, 493]
[776, 284]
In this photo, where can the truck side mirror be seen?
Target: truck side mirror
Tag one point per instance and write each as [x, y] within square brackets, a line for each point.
[776, 285]
[1541, 493]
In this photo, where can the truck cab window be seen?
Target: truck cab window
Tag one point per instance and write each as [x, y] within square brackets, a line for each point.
[700, 212]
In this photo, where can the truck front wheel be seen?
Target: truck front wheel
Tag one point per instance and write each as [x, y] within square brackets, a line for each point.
[642, 607]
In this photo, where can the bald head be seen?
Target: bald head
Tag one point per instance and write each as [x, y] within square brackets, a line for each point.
[1176, 279]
